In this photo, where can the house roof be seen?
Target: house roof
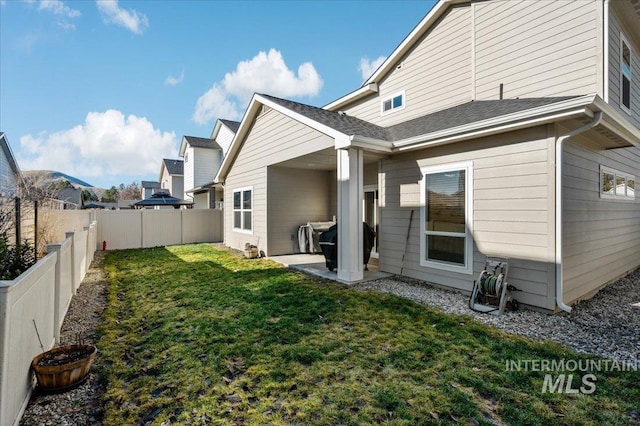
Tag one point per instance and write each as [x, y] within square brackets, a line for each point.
[466, 113]
[197, 142]
[174, 167]
[150, 184]
[233, 125]
[459, 115]
[343, 123]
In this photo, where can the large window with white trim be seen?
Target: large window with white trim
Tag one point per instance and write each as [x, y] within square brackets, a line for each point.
[625, 73]
[447, 206]
[243, 209]
[615, 184]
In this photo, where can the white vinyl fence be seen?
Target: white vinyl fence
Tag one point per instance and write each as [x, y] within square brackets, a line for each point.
[43, 293]
[125, 229]
[39, 297]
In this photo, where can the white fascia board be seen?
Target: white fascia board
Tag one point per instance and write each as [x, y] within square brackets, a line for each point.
[535, 116]
[183, 147]
[216, 129]
[366, 143]
[234, 147]
[365, 90]
[161, 170]
[617, 123]
[245, 125]
[322, 128]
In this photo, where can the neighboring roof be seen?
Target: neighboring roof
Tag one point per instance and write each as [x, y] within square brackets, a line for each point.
[197, 142]
[150, 184]
[174, 167]
[162, 199]
[233, 125]
[343, 123]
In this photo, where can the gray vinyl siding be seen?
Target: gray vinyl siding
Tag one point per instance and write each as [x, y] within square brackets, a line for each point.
[8, 183]
[615, 28]
[537, 48]
[435, 74]
[513, 211]
[188, 171]
[273, 138]
[177, 186]
[601, 237]
[224, 138]
[201, 200]
[296, 196]
[206, 164]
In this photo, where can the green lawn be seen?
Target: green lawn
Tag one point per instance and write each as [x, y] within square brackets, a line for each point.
[197, 334]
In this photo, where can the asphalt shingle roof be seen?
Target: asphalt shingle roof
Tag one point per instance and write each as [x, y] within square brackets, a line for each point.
[150, 184]
[233, 125]
[467, 113]
[197, 142]
[341, 122]
[174, 167]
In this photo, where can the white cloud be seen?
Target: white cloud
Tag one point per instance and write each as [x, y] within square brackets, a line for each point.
[264, 73]
[57, 7]
[172, 81]
[67, 26]
[107, 144]
[367, 67]
[130, 19]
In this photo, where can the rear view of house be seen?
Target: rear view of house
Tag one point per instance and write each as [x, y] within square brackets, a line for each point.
[494, 128]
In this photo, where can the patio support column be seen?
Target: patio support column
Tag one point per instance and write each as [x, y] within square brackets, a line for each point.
[350, 251]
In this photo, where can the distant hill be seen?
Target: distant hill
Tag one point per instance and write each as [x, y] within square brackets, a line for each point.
[54, 176]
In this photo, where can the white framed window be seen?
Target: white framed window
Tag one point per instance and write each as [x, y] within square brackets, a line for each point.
[625, 74]
[243, 210]
[392, 103]
[615, 184]
[446, 195]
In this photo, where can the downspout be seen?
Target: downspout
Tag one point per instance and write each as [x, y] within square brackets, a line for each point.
[605, 52]
[559, 148]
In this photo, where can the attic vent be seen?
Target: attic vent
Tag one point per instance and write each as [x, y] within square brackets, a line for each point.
[265, 109]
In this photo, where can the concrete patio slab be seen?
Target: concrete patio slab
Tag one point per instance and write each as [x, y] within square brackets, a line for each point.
[314, 264]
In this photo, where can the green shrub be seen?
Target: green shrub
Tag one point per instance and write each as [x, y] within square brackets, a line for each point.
[14, 259]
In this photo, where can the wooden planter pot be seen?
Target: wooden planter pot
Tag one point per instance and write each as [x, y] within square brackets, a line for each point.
[68, 369]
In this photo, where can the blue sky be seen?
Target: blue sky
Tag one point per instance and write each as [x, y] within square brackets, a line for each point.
[104, 90]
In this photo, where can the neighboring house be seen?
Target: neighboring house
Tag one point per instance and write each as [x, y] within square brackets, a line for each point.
[490, 130]
[10, 176]
[172, 177]
[148, 188]
[202, 159]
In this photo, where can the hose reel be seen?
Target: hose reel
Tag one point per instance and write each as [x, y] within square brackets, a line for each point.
[490, 292]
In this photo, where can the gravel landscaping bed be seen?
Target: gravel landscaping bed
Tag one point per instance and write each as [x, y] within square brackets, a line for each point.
[82, 405]
[606, 325]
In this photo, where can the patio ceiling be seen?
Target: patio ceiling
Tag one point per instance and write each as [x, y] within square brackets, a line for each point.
[324, 160]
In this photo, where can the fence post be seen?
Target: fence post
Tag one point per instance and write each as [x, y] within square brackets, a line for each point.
[57, 291]
[74, 275]
[5, 327]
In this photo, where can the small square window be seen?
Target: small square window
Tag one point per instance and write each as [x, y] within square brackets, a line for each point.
[393, 103]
